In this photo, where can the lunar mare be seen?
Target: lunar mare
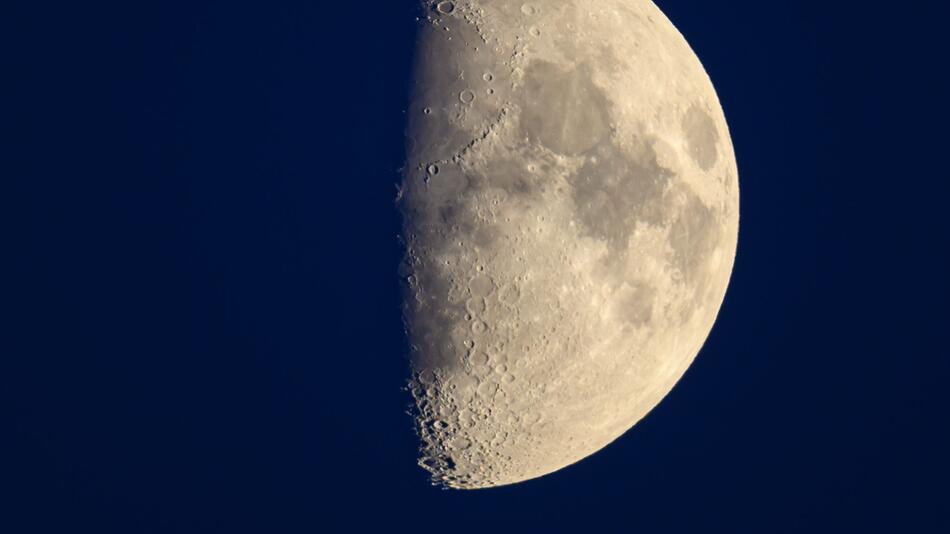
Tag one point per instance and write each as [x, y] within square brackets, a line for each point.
[570, 206]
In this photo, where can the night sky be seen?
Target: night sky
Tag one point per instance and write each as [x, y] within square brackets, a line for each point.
[201, 316]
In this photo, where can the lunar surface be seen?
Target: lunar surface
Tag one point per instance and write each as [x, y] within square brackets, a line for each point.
[570, 205]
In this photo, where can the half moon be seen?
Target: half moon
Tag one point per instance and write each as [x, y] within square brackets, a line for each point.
[571, 212]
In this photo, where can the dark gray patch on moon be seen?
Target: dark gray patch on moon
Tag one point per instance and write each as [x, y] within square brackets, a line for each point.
[433, 204]
[563, 110]
[485, 235]
[447, 185]
[694, 236]
[611, 192]
[637, 308]
[701, 137]
[509, 175]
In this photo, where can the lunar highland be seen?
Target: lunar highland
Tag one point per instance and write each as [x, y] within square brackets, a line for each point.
[571, 208]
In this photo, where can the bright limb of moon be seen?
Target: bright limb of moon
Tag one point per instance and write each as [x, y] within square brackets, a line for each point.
[571, 212]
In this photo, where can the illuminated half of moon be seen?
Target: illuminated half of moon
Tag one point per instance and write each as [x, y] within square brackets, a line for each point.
[571, 211]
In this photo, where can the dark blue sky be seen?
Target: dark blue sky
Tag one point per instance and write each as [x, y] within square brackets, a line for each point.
[201, 311]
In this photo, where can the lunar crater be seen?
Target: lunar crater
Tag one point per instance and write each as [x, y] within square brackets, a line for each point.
[702, 138]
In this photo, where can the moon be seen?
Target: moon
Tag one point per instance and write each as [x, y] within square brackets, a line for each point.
[570, 209]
